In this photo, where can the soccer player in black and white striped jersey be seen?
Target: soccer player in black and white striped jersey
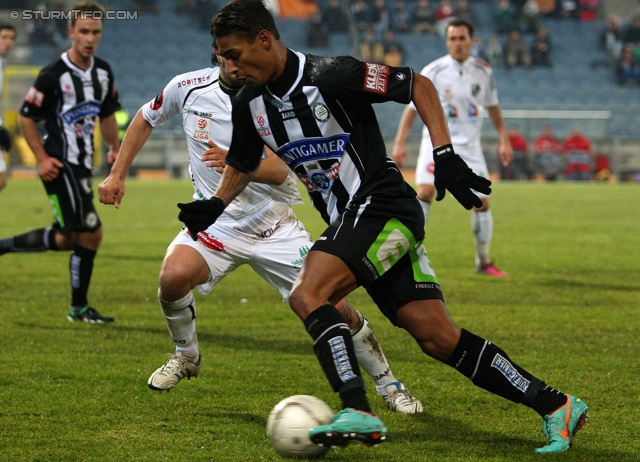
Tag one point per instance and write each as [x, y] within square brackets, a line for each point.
[7, 39]
[316, 114]
[71, 95]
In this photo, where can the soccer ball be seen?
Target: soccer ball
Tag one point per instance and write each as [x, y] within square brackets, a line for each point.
[289, 424]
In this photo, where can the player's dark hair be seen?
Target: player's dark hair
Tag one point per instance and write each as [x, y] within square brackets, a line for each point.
[4, 25]
[461, 22]
[243, 18]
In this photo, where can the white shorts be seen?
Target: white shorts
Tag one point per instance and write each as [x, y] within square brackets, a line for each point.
[275, 252]
[3, 165]
[425, 165]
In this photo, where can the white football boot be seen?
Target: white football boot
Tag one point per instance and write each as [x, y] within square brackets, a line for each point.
[175, 369]
[399, 399]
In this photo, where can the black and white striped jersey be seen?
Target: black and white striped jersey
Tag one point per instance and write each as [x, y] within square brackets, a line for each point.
[70, 101]
[317, 116]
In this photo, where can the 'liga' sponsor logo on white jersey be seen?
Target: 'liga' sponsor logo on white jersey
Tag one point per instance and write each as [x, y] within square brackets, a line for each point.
[202, 129]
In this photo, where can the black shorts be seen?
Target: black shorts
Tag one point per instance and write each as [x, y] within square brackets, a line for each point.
[71, 196]
[380, 240]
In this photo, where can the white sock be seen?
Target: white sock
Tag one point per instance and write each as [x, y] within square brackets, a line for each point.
[371, 357]
[180, 317]
[482, 225]
[425, 209]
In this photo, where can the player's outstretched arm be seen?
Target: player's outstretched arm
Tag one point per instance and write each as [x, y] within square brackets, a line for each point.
[407, 120]
[427, 102]
[111, 190]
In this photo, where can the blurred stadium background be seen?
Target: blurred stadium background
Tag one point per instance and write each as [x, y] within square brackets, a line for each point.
[146, 52]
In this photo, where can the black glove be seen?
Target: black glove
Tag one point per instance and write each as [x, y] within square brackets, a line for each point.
[453, 173]
[199, 215]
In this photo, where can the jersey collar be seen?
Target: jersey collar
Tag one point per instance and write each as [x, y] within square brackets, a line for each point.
[457, 65]
[291, 75]
[65, 57]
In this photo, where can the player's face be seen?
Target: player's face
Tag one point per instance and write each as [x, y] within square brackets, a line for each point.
[7, 39]
[249, 63]
[224, 73]
[458, 42]
[85, 36]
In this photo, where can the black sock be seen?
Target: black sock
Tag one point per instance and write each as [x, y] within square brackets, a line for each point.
[548, 400]
[80, 269]
[333, 346]
[490, 368]
[37, 240]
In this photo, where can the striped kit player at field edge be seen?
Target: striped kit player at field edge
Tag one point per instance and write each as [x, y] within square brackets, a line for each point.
[71, 95]
[7, 39]
[375, 225]
[259, 229]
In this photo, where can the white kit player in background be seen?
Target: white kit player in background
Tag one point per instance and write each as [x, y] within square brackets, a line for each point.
[7, 39]
[258, 228]
[466, 87]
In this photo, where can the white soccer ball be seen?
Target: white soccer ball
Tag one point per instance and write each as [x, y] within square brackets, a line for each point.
[289, 424]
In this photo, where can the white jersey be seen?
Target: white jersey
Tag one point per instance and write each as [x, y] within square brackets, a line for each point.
[206, 114]
[465, 90]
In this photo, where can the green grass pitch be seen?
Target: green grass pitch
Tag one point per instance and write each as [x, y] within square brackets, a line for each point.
[568, 313]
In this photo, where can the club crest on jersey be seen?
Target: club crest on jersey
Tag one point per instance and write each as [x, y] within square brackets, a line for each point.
[105, 86]
[321, 112]
[320, 179]
[376, 77]
[475, 89]
[202, 129]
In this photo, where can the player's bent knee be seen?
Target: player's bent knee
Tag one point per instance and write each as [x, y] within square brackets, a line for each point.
[174, 282]
[302, 303]
[89, 239]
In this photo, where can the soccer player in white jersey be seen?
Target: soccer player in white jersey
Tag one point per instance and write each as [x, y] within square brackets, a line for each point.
[466, 87]
[7, 39]
[259, 228]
